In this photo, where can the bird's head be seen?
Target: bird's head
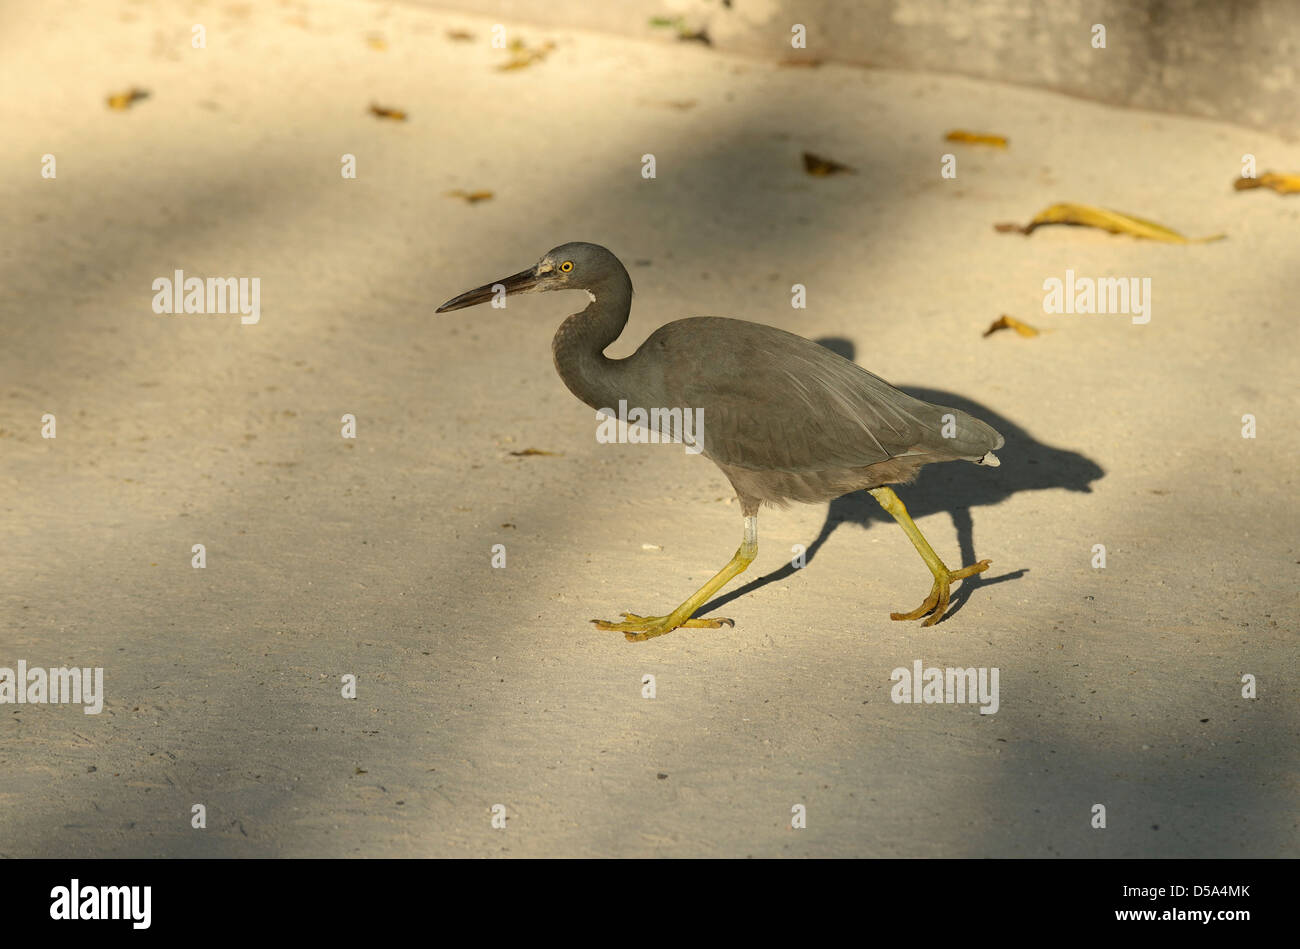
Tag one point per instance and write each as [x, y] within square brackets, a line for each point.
[573, 266]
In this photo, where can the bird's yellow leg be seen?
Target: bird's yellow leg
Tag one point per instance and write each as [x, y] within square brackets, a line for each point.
[640, 628]
[936, 604]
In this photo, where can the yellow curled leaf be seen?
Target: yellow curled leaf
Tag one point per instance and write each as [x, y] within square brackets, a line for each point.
[1282, 184]
[397, 115]
[977, 138]
[1115, 222]
[121, 101]
[1005, 322]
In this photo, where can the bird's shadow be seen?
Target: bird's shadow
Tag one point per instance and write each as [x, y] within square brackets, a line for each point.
[1027, 465]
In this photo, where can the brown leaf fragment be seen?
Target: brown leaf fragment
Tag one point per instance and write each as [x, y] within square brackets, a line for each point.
[531, 452]
[820, 167]
[122, 101]
[1005, 322]
[1279, 182]
[460, 36]
[471, 197]
[397, 115]
[977, 138]
[1116, 222]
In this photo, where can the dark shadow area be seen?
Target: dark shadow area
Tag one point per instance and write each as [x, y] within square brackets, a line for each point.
[1027, 465]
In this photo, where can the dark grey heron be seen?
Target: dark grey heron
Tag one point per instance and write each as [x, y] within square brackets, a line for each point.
[784, 418]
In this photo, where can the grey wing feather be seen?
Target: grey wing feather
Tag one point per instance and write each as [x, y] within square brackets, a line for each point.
[773, 400]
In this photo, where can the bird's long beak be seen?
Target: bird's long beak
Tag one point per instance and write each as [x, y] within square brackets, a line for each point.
[521, 282]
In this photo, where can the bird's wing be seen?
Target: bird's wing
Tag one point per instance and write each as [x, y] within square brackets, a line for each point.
[773, 400]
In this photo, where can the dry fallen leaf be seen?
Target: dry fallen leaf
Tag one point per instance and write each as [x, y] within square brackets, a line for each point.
[1281, 183]
[124, 100]
[397, 115]
[977, 138]
[530, 452]
[820, 167]
[460, 36]
[1085, 215]
[1005, 322]
[471, 197]
[521, 56]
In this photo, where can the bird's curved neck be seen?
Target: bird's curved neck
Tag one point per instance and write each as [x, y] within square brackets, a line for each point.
[580, 342]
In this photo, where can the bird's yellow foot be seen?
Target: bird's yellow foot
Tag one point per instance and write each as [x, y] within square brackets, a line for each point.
[936, 604]
[638, 629]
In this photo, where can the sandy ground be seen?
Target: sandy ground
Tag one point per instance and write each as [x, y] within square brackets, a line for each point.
[478, 686]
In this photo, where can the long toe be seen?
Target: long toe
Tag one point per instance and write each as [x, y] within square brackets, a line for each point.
[647, 627]
[940, 608]
[631, 623]
[969, 571]
[708, 622]
[937, 603]
[924, 608]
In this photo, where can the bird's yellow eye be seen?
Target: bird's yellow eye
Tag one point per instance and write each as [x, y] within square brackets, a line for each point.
[566, 266]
